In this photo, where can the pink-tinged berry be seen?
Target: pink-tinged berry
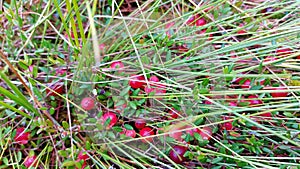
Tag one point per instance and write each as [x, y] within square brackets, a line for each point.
[130, 133]
[253, 99]
[117, 65]
[31, 161]
[233, 104]
[113, 119]
[200, 22]
[246, 84]
[82, 156]
[102, 46]
[87, 103]
[21, 137]
[137, 81]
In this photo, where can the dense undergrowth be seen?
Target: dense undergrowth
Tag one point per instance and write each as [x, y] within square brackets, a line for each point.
[150, 84]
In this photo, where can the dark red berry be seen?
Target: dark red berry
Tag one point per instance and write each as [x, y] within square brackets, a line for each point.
[173, 113]
[145, 132]
[113, 119]
[227, 125]
[58, 88]
[140, 123]
[177, 154]
[87, 103]
[137, 81]
[21, 137]
[31, 161]
[283, 51]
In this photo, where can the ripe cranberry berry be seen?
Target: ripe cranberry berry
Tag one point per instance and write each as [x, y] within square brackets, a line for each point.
[21, 137]
[233, 104]
[200, 22]
[283, 51]
[31, 161]
[206, 133]
[83, 157]
[176, 134]
[130, 133]
[87, 103]
[145, 132]
[58, 88]
[227, 125]
[113, 119]
[140, 123]
[117, 65]
[173, 113]
[246, 84]
[279, 94]
[155, 79]
[136, 81]
[192, 20]
[254, 100]
[267, 115]
[176, 154]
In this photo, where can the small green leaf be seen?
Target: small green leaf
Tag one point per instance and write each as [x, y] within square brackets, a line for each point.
[128, 127]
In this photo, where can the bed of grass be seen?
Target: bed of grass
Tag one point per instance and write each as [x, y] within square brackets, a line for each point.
[228, 90]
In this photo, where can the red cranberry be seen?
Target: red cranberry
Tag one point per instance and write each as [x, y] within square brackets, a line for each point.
[136, 81]
[177, 154]
[58, 88]
[174, 113]
[130, 133]
[140, 123]
[155, 79]
[206, 133]
[279, 94]
[31, 161]
[176, 134]
[283, 51]
[113, 119]
[246, 84]
[268, 115]
[117, 65]
[192, 131]
[227, 125]
[200, 22]
[192, 20]
[233, 104]
[87, 103]
[145, 132]
[270, 59]
[21, 137]
[82, 156]
[254, 100]
[102, 46]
